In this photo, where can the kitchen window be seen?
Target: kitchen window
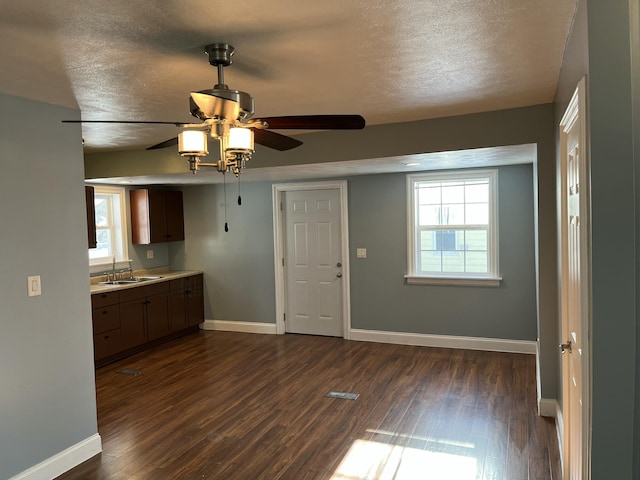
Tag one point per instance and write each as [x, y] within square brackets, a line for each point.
[111, 226]
[453, 228]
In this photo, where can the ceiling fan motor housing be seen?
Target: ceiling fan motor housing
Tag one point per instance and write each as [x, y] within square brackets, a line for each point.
[221, 103]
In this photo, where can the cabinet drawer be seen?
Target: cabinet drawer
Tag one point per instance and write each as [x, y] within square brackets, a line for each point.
[102, 299]
[106, 318]
[176, 284]
[144, 291]
[107, 343]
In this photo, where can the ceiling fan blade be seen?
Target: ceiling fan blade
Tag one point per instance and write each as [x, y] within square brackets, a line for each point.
[274, 140]
[177, 124]
[167, 143]
[311, 122]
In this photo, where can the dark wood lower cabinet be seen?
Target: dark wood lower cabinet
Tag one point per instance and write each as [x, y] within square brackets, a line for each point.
[158, 316]
[130, 320]
[194, 296]
[186, 302]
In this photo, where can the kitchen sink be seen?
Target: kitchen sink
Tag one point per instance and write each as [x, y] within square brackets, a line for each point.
[129, 281]
[120, 282]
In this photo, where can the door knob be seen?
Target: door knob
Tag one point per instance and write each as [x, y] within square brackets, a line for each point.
[339, 275]
[565, 346]
[339, 264]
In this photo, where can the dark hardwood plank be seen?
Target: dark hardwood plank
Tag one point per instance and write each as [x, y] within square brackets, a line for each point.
[222, 405]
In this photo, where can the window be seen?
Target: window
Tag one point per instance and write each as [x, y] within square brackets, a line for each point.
[453, 234]
[110, 226]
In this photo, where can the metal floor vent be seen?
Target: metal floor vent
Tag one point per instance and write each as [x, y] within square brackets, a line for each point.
[127, 371]
[343, 395]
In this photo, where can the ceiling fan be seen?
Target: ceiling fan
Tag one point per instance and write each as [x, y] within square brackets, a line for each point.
[227, 116]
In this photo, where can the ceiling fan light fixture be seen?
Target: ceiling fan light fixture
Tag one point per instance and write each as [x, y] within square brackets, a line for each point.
[240, 140]
[192, 143]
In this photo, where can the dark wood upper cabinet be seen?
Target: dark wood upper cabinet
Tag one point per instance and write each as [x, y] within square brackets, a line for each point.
[91, 216]
[156, 216]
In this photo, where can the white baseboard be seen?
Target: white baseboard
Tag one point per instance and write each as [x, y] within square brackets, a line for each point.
[548, 407]
[55, 466]
[235, 326]
[445, 341]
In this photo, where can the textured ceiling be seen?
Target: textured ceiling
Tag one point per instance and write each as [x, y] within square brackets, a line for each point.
[390, 61]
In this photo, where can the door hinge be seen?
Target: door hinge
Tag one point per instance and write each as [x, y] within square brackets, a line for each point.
[283, 262]
[280, 206]
[285, 316]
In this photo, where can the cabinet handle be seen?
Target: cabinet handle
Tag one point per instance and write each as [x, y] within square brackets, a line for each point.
[104, 312]
[106, 337]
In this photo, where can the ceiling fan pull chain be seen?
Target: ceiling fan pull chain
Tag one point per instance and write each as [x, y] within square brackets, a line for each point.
[239, 197]
[224, 183]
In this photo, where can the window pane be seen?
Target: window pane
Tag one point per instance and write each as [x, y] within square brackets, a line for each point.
[477, 214]
[453, 193]
[429, 215]
[477, 262]
[453, 261]
[102, 211]
[429, 239]
[453, 214]
[431, 262]
[429, 194]
[476, 240]
[477, 193]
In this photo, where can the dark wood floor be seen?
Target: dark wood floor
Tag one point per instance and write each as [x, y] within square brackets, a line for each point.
[221, 405]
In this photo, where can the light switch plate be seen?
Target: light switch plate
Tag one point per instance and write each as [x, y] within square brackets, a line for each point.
[149, 254]
[361, 253]
[33, 286]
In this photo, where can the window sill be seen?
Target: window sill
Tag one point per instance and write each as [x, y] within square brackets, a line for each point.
[456, 281]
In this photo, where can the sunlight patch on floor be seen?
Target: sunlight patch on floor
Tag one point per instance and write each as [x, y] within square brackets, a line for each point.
[368, 460]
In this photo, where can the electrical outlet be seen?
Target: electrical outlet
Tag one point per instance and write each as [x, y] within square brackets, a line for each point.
[34, 288]
[361, 253]
[149, 254]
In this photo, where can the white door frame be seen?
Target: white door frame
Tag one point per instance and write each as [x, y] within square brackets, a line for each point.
[278, 243]
[576, 112]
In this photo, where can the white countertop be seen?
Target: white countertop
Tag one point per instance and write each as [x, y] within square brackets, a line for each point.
[164, 277]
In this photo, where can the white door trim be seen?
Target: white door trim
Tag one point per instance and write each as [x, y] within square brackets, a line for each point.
[278, 243]
[576, 112]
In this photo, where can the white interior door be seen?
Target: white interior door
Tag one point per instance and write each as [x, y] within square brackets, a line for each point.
[313, 262]
[575, 290]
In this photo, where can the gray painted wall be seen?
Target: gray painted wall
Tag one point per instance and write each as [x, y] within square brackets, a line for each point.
[380, 299]
[634, 11]
[239, 264]
[47, 402]
[599, 47]
[613, 239]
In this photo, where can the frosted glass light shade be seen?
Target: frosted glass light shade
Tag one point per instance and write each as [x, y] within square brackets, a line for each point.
[192, 143]
[240, 140]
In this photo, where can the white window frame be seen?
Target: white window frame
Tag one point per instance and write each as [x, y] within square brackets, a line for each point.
[492, 277]
[119, 234]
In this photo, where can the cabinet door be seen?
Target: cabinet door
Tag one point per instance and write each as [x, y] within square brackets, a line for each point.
[107, 343]
[174, 215]
[132, 323]
[178, 310]
[106, 318]
[195, 301]
[158, 316]
[157, 216]
[91, 216]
